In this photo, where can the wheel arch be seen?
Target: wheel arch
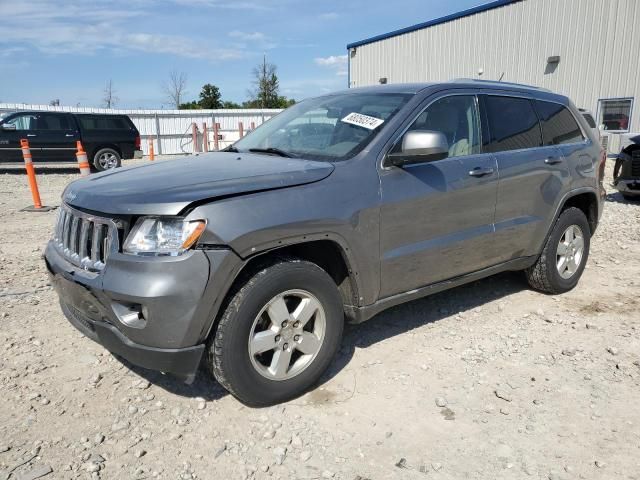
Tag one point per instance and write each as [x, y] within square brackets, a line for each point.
[100, 146]
[327, 253]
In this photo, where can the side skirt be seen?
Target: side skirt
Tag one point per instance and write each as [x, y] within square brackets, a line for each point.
[362, 314]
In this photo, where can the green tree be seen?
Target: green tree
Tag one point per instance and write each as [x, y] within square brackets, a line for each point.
[210, 97]
[230, 104]
[193, 105]
[266, 88]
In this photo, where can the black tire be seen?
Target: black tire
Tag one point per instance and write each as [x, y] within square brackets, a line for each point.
[544, 275]
[100, 157]
[631, 198]
[228, 355]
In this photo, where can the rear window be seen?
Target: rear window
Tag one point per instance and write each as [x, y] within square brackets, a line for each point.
[590, 120]
[558, 124]
[103, 122]
[513, 124]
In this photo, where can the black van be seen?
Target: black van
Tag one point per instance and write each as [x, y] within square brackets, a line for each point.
[52, 136]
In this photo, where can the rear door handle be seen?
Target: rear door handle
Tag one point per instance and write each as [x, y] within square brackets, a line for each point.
[31, 135]
[481, 172]
[552, 160]
[69, 135]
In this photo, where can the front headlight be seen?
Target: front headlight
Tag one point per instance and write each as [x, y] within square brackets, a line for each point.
[170, 236]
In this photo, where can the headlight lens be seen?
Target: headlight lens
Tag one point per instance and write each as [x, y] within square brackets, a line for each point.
[163, 236]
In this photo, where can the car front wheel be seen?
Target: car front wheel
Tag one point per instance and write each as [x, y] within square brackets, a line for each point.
[278, 333]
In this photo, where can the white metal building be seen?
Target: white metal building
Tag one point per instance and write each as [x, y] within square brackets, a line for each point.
[588, 50]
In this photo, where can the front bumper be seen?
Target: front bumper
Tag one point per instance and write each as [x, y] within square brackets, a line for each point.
[628, 187]
[172, 296]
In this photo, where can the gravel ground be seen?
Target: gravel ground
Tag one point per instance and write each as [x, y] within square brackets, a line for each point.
[486, 381]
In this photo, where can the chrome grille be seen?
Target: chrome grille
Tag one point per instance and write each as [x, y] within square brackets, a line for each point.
[84, 239]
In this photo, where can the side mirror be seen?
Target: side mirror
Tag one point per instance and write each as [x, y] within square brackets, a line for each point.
[9, 126]
[420, 146]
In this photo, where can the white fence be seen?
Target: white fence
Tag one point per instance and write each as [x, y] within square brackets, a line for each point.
[172, 129]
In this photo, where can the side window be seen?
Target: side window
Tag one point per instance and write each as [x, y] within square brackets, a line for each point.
[48, 121]
[26, 121]
[513, 124]
[457, 118]
[558, 124]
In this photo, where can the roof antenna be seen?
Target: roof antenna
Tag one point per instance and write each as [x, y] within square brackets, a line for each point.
[501, 77]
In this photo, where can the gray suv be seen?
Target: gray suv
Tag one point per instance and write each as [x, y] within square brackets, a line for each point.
[250, 260]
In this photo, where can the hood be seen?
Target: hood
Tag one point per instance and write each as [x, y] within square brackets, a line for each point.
[168, 187]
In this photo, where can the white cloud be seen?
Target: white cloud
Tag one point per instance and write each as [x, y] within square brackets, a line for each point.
[335, 62]
[248, 36]
[252, 40]
[81, 27]
[331, 61]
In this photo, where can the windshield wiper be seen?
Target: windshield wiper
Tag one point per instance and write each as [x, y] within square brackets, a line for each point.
[231, 148]
[274, 151]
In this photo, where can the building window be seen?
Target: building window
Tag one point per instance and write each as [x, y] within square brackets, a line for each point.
[615, 114]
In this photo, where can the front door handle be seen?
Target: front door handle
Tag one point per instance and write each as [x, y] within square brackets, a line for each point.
[480, 172]
[552, 160]
[31, 135]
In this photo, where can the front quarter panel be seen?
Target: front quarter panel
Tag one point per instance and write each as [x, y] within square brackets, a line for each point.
[342, 208]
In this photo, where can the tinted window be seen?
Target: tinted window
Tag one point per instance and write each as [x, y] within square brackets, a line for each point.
[103, 122]
[513, 124]
[558, 124]
[457, 118]
[590, 120]
[49, 121]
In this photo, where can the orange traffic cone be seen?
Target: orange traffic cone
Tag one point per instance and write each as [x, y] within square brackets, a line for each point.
[83, 162]
[31, 175]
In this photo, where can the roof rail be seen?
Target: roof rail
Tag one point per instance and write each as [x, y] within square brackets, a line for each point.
[497, 83]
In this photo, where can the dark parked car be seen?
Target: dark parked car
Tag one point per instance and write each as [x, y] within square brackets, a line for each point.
[107, 139]
[626, 173]
[339, 207]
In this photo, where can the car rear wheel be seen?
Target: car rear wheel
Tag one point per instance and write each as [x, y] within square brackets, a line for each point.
[563, 259]
[278, 333]
[106, 159]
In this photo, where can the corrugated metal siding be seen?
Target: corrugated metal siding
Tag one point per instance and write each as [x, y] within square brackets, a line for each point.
[171, 127]
[598, 42]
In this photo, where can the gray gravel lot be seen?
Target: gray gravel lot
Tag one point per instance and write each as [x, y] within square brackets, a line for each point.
[487, 381]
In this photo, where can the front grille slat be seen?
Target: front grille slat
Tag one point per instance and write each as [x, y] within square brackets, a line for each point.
[96, 245]
[85, 240]
[84, 235]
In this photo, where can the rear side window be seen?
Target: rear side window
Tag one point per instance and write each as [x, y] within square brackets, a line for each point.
[103, 122]
[590, 120]
[50, 121]
[513, 124]
[558, 124]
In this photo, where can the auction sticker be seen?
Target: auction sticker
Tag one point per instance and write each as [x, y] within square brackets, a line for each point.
[364, 121]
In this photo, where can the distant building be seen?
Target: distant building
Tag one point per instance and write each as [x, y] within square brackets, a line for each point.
[586, 49]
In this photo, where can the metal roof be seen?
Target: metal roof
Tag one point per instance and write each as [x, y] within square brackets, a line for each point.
[437, 21]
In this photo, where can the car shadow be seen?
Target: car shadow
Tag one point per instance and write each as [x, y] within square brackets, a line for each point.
[40, 170]
[390, 323]
[417, 313]
[618, 198]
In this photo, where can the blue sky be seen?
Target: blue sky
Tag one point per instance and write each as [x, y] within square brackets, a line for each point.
[69, 49]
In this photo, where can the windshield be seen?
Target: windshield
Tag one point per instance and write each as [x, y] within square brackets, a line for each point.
[329, 128]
